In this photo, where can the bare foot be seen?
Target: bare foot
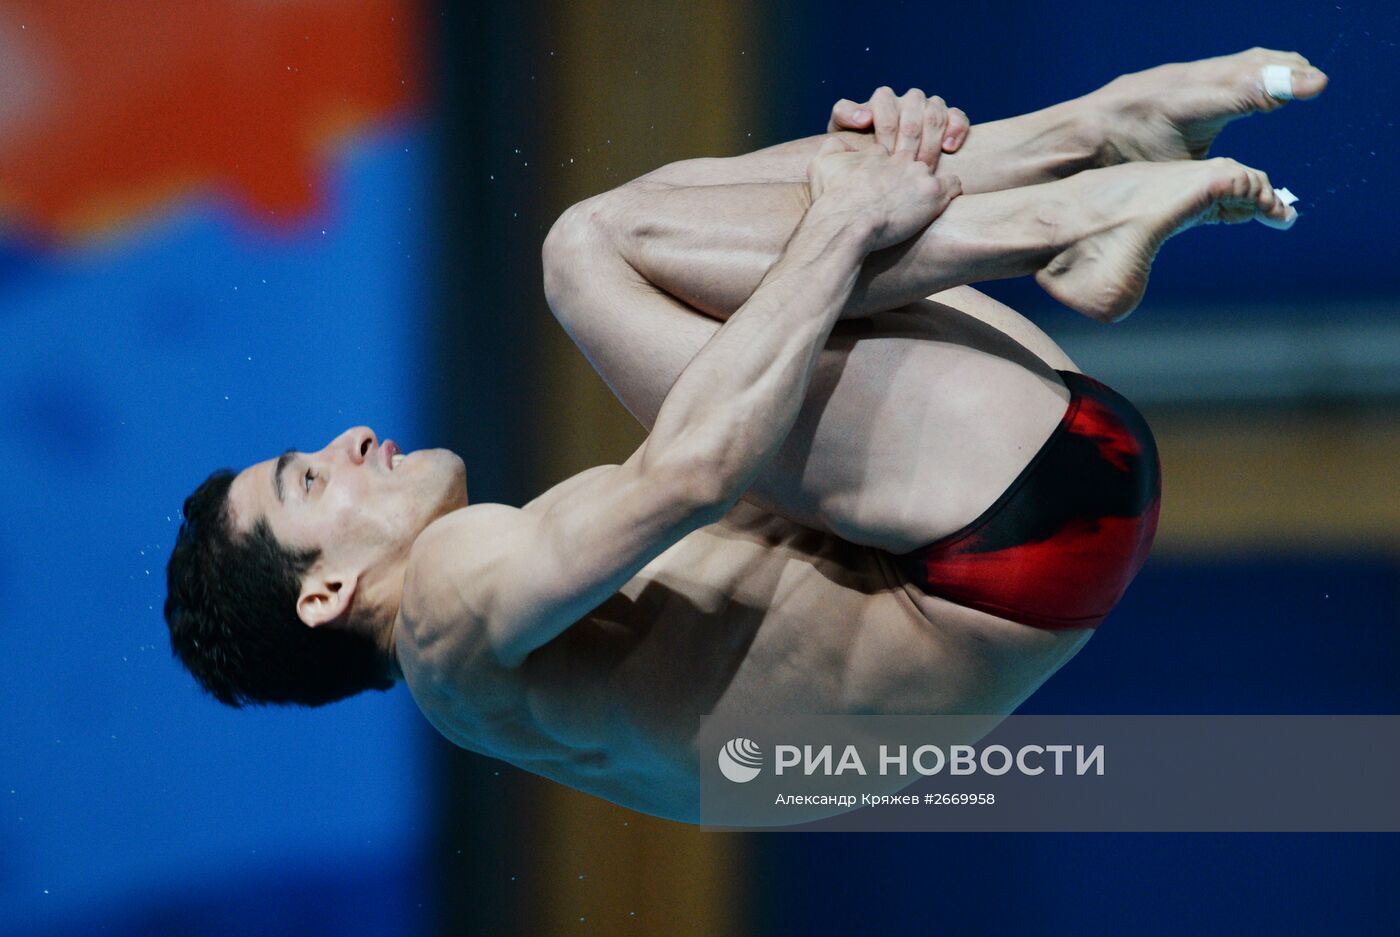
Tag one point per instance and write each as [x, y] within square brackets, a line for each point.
[1176, 111]
[1127, 213]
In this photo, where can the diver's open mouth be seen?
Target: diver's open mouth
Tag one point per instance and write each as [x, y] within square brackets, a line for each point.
[391, 454]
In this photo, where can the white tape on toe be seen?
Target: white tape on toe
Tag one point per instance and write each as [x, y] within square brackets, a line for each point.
[1280, 225]
[1278, 82]
[1287, 198]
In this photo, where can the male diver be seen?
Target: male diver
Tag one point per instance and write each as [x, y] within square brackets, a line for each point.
[924, 508]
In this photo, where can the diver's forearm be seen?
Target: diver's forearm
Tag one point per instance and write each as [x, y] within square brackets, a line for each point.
[737, 399]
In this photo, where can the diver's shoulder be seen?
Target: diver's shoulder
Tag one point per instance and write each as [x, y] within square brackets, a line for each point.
[449, 553]
[447, 531]
[460, 538]
[441, 634]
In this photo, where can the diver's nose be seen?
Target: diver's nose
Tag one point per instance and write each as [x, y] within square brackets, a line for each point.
[356, 442]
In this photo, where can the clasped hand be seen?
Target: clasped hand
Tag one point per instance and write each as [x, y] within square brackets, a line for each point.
[912, 121]
[889, 189]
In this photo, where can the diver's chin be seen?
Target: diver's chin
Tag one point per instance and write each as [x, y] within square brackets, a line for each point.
[441, 480]
[459, 480]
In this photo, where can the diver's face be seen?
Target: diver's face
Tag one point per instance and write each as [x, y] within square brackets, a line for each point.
[359, 501]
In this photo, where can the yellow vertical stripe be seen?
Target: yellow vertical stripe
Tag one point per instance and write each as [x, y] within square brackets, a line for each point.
[1301, 482]
[634, 85]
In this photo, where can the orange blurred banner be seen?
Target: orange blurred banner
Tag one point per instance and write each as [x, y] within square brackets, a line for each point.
[109, 109]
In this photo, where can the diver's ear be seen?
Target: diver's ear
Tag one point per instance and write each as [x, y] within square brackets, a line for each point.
[325, 595]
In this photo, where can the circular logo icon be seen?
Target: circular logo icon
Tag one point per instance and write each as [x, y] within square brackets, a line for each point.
[740, 760]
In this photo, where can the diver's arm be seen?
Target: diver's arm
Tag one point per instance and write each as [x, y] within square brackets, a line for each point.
[546, 566]
[724, 418]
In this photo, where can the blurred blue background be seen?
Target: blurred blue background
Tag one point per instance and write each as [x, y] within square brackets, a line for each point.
[230, 229]
[125, 373]
[146, 338]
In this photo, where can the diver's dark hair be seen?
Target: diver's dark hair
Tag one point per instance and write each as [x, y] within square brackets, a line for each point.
[231, 607]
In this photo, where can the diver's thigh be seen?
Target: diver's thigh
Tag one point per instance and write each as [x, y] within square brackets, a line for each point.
[913, 418]
[912, 427]
[1007, 320]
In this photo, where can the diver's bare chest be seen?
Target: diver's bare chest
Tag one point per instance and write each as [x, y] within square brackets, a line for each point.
[716, 625]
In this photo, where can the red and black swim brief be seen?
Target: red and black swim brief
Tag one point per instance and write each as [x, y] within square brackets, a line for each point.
[1060, 546]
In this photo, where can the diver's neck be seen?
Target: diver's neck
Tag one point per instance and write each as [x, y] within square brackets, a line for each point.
[389, 649]
[384, 594]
